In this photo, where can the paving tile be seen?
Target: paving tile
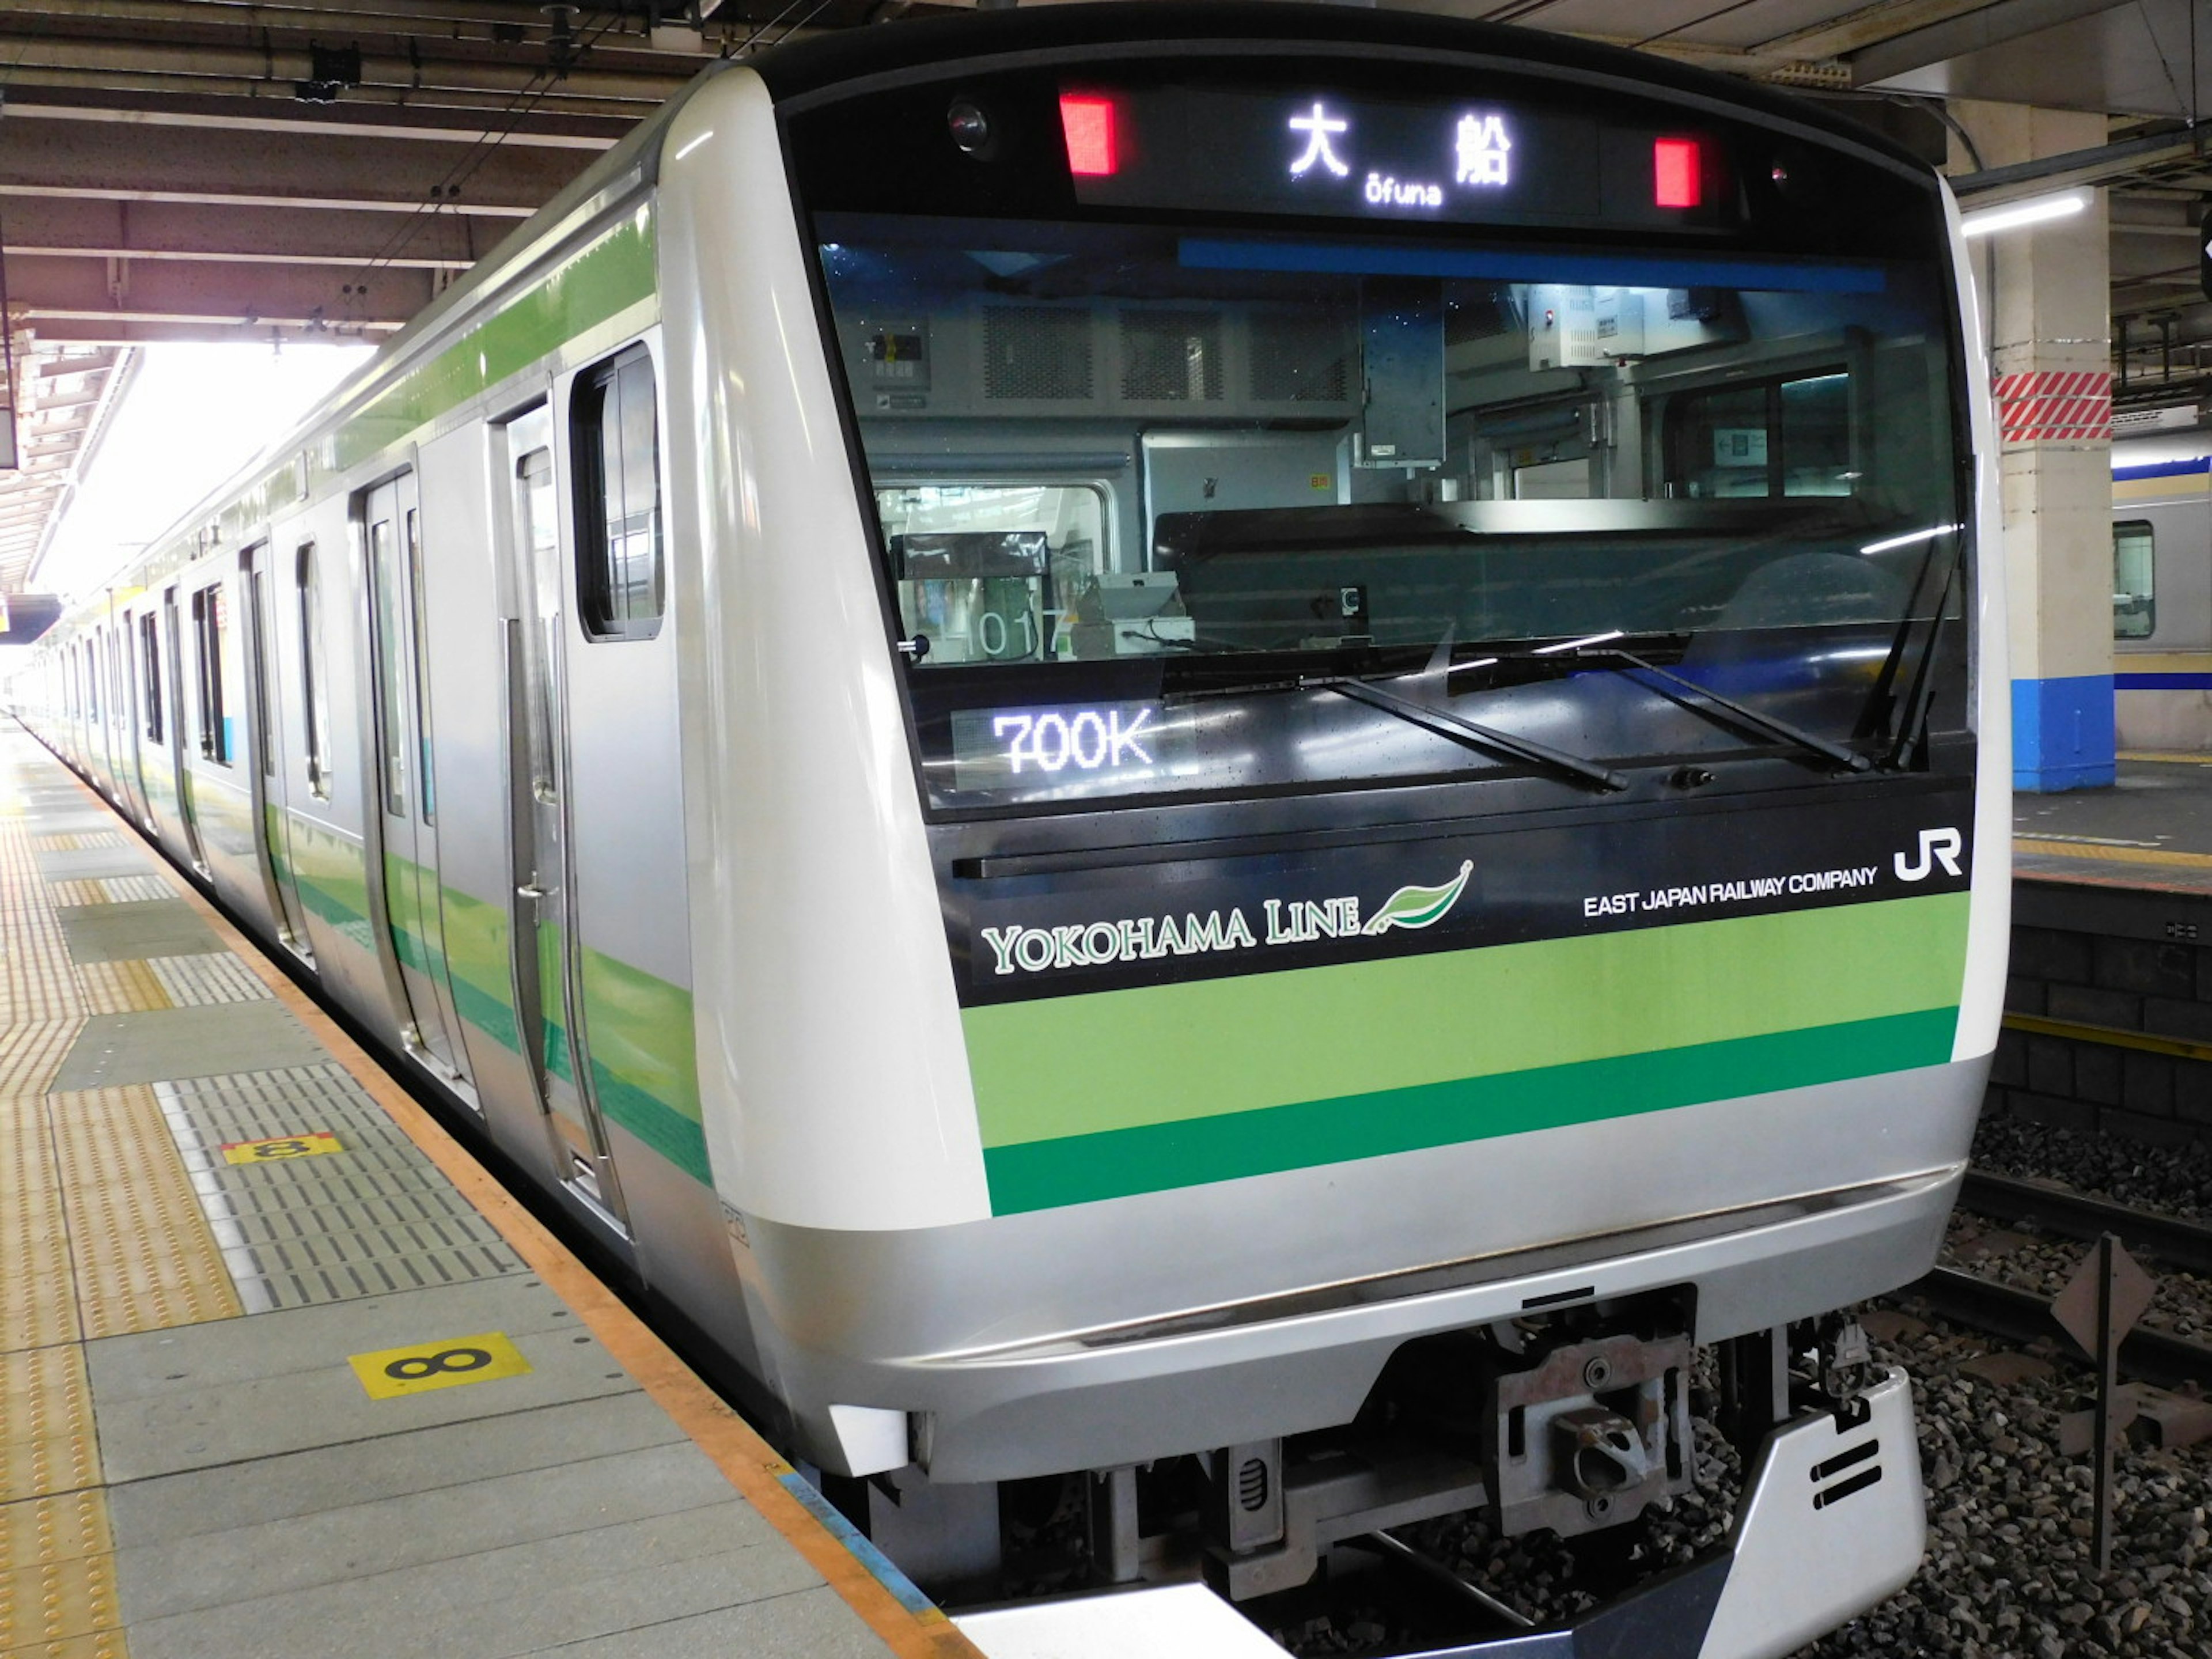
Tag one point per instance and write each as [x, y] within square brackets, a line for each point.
[282, 1558]
[177, 1507]
[115, 932]
[809, 1623]
[275, 1383]
[186, 1043]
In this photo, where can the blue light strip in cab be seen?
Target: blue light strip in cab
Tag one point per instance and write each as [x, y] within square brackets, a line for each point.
[1596, 271]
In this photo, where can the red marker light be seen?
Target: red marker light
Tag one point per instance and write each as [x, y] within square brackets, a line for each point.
[1677, 172]
[1088, 125]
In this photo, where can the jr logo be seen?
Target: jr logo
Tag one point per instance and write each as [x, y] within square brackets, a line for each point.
[1936, 846]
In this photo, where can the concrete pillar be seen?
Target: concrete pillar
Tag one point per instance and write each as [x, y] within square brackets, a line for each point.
[2047, 302]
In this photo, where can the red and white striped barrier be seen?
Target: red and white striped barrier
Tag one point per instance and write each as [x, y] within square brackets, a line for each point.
[2054, 404]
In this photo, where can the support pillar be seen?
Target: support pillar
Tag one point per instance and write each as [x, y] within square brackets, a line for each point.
[2046, 294]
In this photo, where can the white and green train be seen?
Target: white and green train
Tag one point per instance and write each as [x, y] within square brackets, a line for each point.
[1149, 740]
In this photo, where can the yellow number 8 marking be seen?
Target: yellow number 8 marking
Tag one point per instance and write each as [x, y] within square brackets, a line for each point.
[445, 1364]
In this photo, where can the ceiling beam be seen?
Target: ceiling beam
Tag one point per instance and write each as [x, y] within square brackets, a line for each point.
[72, 158]
[38, 226]
[1989, 26]
[234, 295]
[257, 107]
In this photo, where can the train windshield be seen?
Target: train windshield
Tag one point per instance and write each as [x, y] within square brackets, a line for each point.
[1172, 502]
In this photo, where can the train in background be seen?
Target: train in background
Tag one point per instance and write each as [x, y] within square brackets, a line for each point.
[2162, 593]
[1240, 754]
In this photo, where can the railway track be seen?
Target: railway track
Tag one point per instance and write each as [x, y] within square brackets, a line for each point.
[2148, 1355]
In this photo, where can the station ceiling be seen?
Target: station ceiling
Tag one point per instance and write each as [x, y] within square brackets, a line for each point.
[286, 169]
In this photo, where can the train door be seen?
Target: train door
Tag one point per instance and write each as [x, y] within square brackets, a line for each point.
[414, 913]
[173, 628]
[548, 999]
[136, 708]
[272, 837]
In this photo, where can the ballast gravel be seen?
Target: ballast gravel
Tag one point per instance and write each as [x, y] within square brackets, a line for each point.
[2009, 1571]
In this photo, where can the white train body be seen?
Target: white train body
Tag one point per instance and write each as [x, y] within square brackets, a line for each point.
[1020, 1136]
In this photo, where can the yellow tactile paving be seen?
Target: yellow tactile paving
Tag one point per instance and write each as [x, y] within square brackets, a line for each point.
[31, 1054]
[44, 1609]
[66, 893]
[2109, 852]
[38, 1298]
[144, 1256]
[47, 1446]
[121, 987]
[40, 1531]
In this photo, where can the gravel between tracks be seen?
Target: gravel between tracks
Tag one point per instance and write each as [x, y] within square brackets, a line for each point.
[2008, 1574]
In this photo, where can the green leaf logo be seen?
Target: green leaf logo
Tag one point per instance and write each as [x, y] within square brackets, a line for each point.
[1417, 907]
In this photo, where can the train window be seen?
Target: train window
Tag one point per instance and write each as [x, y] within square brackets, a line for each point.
[429, 792]
[614, 437]
[2135, 601]
[92, 676]
[313, 697]
[1785, 438]
[150, 648]
[1011, 573]
[210, 622]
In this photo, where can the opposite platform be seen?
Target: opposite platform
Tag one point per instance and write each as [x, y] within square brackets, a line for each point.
[282, 1373]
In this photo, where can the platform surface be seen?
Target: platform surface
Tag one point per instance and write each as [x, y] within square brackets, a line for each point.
[2151, 831]
[273, 1385]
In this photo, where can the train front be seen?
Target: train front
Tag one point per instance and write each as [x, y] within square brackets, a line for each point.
[1445, 861]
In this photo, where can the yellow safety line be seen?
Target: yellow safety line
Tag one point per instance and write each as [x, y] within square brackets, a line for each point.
[2165, 757]
[2112, 1035]
[748, 1461]
[38, 1296]
[2098, 850]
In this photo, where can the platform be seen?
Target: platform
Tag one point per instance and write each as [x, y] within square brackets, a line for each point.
[2108, 1006]
[283, 1373]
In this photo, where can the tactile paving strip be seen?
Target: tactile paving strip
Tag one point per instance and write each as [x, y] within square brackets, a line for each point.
[122, 988]
[199, 981]
[371, 1219]
[47, 1445]
[79, 842]
[111, 890]
[38, 1303]
[144, 1256]
[31, 1054]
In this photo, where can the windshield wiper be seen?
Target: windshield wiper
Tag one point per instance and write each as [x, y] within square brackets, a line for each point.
[1849, 759]
[1470, 733]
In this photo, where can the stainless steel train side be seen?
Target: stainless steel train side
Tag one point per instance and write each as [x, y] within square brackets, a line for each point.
[547, 698]
[2162, 593]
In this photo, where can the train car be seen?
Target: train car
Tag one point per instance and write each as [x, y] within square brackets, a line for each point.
[2162, 593]
[1252, 754]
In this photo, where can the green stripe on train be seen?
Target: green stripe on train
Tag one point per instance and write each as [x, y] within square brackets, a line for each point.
[1042, 1175]
[643, 1071]
[606, 277]
[1267, 1072]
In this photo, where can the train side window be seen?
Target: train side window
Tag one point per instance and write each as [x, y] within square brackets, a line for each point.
[150, 648]
[2134, 600]
[306, 575]
[211, 622]
[250, 566]
[1789, 438]
[614, 439]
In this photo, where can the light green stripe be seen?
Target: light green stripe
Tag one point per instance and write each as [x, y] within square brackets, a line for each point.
[1082, 1169]
[1116, 1060]
[610, 274]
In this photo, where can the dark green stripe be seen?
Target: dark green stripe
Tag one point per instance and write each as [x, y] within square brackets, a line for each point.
[1040, 1174]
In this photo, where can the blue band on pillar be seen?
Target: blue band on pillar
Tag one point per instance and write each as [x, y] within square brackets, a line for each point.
[2062, 733]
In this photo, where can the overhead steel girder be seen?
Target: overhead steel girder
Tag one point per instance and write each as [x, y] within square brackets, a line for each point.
[547, 106]
[419, 63]
[252, 107]
[1989, 26]
[478, 19]
[81, 288]
[74, 158]
[41, 226]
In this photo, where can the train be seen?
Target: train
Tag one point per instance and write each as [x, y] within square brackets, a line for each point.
[2162, 593]
[1251, 757]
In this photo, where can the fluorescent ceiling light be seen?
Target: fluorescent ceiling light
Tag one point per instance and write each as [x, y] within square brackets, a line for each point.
[2033, 211]
[1907, 539]
[1570, 645]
